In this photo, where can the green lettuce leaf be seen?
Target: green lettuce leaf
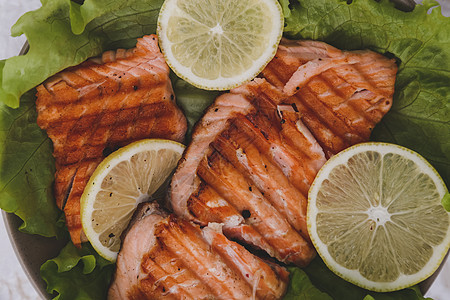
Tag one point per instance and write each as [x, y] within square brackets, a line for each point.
[77, 274]
[331, 284]
[54, 46]
[193, 101]
[419, 118]
[27, 169]
[300, 287]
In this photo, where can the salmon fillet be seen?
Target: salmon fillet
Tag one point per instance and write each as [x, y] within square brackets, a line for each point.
[257, 149]
[341, 95]
[100, 105]
[165, 257]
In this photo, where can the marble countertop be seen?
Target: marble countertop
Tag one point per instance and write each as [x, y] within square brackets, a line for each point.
[13, 282]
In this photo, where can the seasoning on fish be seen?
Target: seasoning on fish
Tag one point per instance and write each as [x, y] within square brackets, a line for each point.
[257, 149]
[165, 257]
[100, 105]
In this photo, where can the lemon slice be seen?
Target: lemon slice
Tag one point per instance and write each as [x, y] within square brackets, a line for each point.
[375, 216]
[124, 179]
[218, 45]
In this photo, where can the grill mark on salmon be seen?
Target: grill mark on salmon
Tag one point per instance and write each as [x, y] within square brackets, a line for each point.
[268, 179]
[183, 239]
[360, 91]
[168, 257]
[291, 162]
[165, 269]
[257, 149]
[104, 103]
[266, 228]
[244, 195]
[208, 206]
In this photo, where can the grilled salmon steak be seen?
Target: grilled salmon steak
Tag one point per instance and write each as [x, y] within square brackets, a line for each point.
[341, 95]
[257, 149]
[165, 257]
[100, 105]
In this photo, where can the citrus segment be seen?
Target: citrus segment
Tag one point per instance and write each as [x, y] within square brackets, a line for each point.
[218, 45]
[124, 179]
[375, 216]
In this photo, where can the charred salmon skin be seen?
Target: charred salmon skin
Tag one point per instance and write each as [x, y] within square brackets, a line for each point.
[257, 149]
[166, 257]
[100, 105]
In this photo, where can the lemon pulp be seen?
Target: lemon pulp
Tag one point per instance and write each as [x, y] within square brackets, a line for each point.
[218, 45]
[375, 216]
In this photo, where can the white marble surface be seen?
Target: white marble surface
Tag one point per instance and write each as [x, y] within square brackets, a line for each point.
[13, 282]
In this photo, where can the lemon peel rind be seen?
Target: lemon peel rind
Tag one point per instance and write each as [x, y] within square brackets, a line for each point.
[92, 187]
[354, 276]
[221, 83]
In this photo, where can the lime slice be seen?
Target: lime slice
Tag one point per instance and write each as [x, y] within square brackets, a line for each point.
[375, 216]
[124, 179]
[218, 45]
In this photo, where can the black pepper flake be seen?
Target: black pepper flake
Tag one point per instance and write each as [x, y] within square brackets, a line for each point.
[283, 121]
[111, 235]
[216, 109]
[297, 88]
[250, 188]
[246, 214]
[110, 194]
[171, 97]
[164, 289]
[135, 87]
